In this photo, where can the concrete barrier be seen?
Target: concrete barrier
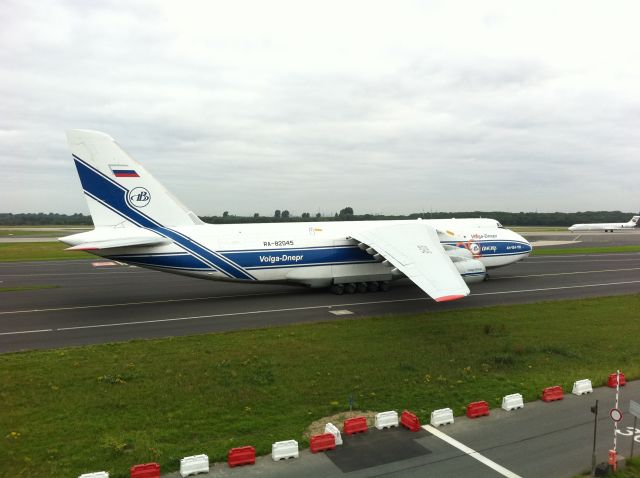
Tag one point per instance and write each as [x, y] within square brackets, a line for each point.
[331, 428]
[512, 402]
[443, 416]
[580, 387]
[191, 465]
[95, 474]
[386, 420]
[282, 450]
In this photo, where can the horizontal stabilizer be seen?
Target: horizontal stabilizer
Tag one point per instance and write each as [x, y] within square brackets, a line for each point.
[120, 242]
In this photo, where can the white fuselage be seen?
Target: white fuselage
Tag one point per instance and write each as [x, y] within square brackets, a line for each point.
[311, 253]
[606, 227]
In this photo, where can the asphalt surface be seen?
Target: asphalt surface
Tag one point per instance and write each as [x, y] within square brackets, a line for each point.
[541, 440]
[92, 305]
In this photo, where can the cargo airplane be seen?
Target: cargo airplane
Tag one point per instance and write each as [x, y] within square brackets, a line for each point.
[137, 221]
[606, 227]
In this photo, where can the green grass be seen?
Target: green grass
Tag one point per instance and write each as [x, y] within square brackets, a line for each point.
[38, 251]
[65, 412]
[584, 250]
[19, 288]
[631, 469]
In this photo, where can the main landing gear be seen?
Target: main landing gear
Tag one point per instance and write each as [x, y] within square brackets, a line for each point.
[352, 287]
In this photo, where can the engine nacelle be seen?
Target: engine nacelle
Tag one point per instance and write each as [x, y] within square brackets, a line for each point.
[471, 270]
[453, 251]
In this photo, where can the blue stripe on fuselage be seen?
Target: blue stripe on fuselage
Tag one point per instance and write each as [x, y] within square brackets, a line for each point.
[298, 257]
[112, 195]
[495, 248]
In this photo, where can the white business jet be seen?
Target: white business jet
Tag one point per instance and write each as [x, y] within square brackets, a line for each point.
[606, 227]
[137, 221]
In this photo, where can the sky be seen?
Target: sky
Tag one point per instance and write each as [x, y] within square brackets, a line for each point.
[389, 107]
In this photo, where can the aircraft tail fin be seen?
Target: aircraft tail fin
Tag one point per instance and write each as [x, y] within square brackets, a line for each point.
[635, 220]
[120, 192]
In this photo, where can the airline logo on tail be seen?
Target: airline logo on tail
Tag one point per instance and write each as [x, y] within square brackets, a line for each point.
[123, 171]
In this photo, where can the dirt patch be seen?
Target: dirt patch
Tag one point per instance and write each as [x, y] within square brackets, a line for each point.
[337, 419]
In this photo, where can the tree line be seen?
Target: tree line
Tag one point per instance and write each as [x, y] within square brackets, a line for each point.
[559, 219]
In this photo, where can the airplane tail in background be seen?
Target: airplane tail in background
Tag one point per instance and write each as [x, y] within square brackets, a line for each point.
[635, 221]
[120, 192]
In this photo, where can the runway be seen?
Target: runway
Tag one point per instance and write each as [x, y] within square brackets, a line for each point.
[97, 305]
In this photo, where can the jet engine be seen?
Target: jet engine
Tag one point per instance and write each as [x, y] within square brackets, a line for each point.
[471, 270]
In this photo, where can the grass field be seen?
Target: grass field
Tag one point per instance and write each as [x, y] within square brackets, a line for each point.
[584, 250]
[76, 410]
[38, 251]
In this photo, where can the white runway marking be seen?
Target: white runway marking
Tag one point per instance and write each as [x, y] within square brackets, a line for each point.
[341, 312]
[27, 332]
[122, 304]
[470, 452]
[95, 273]
[292, 309]
[566, 273]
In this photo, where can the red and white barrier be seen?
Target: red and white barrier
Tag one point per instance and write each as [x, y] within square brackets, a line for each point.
[331, 428]
[322, 442]
[580, 387]
[477, 409]
[147, 470]
[551, 394]
[283, 450]
[512, 402]
[355, 425]
[386, 420]
[410, 421]
[442, 416]
[242, 455]
[191, 465]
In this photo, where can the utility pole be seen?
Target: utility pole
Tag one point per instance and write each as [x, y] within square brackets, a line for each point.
[594, 410]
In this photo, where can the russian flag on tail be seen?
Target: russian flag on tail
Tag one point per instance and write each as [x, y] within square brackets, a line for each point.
[123, 171]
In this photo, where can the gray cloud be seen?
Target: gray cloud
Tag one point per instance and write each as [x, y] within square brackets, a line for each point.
[387, 108]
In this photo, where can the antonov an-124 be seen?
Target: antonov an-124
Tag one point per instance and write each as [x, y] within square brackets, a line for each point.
[137, 221]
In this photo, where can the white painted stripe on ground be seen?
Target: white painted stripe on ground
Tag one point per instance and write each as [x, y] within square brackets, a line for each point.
[123, 304]
[470, 452]
[341, 312]
[27, 332]
[95, 273]
[565, 273]
[292, 309]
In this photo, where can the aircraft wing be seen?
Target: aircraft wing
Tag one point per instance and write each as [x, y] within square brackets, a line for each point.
[120, 242]
[415, 250]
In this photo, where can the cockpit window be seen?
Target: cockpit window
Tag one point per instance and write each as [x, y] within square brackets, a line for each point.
[499, 225]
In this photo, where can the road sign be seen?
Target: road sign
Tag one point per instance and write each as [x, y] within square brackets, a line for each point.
[615, 414]
[634, 408]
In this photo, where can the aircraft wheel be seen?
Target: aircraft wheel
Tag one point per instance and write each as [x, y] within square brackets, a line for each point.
[384, 286]
[373, 286]
[486, 277]
[349, 288]
[361, 287]
[337, 289]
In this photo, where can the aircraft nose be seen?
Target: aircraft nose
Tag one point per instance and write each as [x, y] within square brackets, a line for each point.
[526, 243]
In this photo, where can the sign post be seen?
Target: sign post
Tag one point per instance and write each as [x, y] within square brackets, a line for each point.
[616, 416]
[594, 410]
[634, 409]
